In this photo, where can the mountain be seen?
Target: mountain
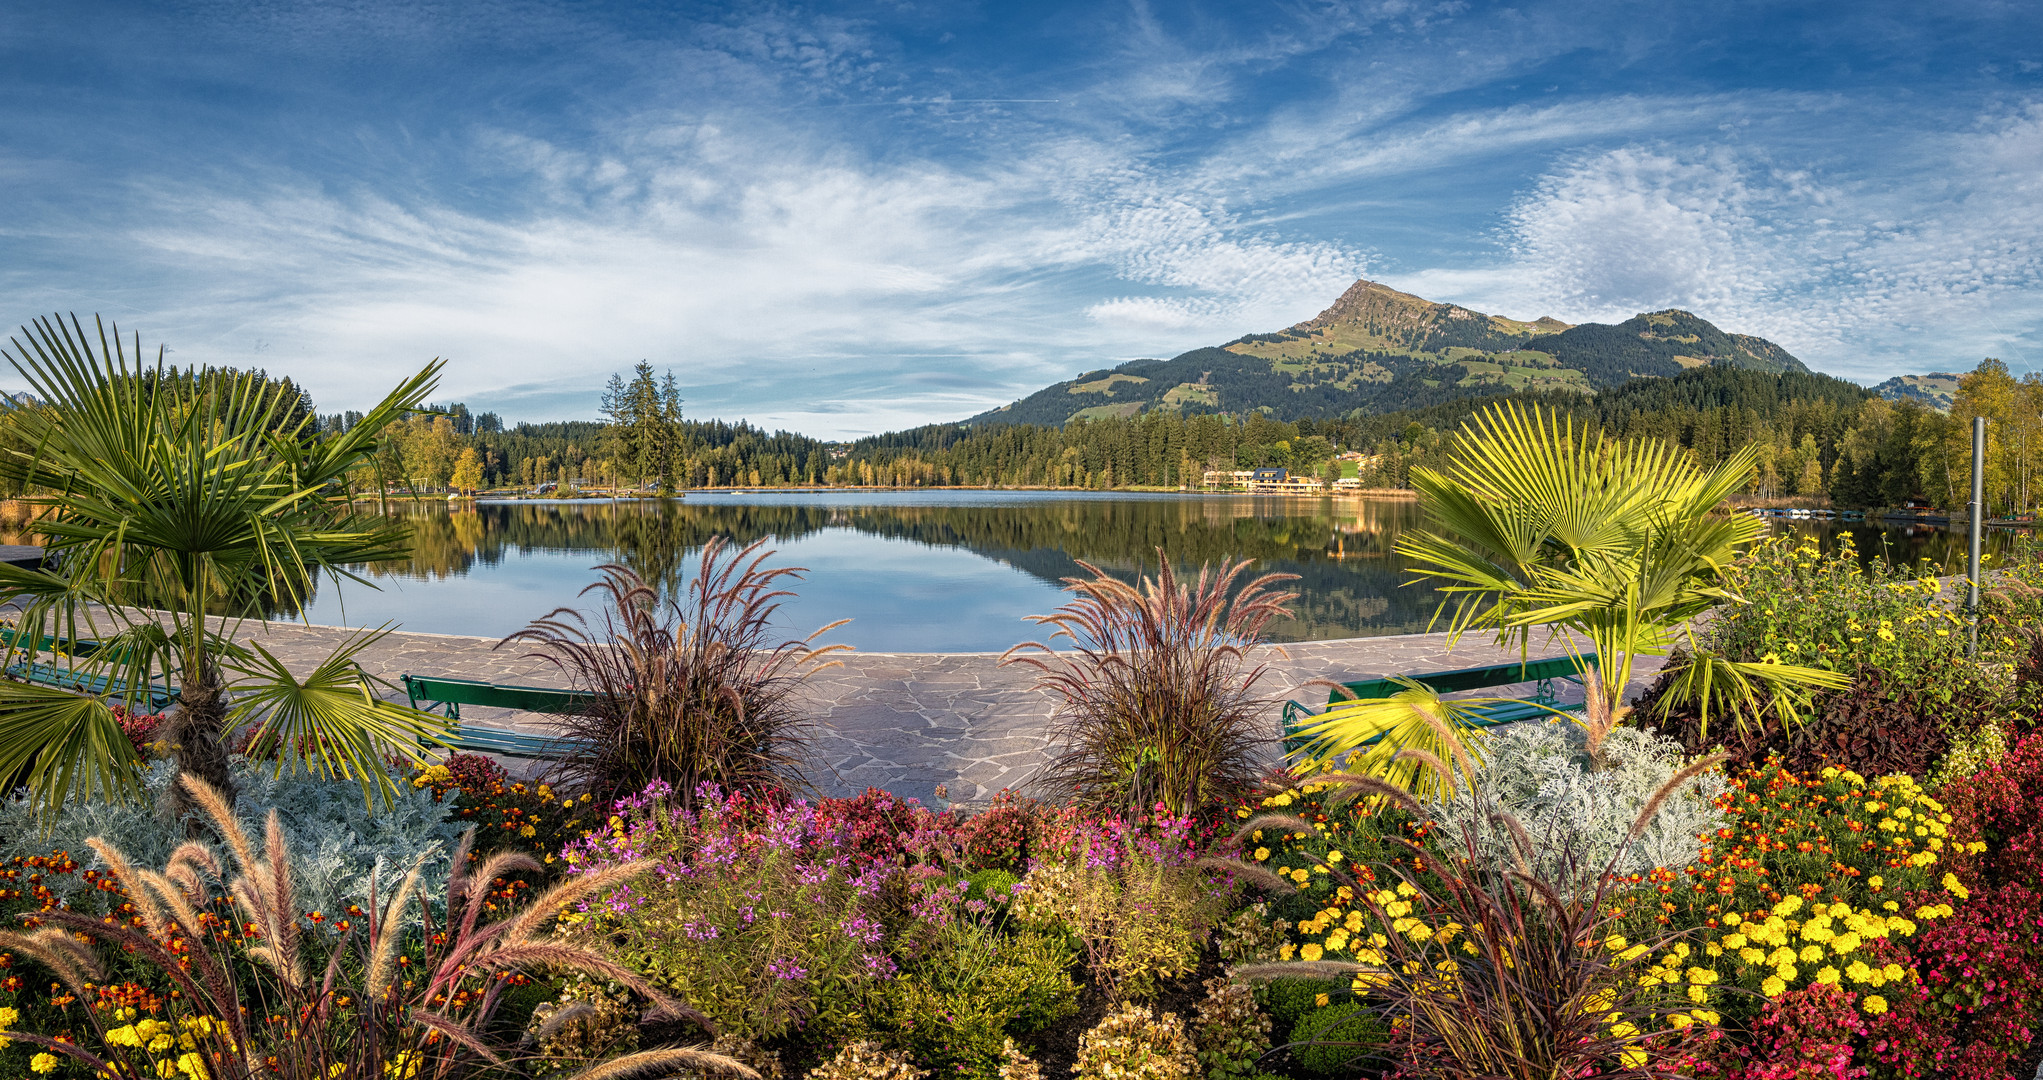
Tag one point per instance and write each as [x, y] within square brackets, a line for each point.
[1934, 389]
[1377, 350]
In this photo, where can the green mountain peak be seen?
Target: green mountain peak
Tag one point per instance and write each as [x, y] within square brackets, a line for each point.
[1376, 349]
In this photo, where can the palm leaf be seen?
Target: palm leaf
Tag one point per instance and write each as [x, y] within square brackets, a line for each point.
[1373, 737]
[331, 721]
[64, 746]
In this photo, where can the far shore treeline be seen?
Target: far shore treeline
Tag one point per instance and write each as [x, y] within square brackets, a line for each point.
[1816, 437]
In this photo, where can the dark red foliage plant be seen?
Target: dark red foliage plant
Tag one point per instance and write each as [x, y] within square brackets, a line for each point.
[1157, 686]
[688, 691]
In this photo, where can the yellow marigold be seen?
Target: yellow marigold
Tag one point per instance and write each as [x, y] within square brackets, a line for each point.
[9, 1016]
[1955, 887]
[1312, 952]
[1874, 1004]
[1827, 974]
[1773, 986]
[1262, 853]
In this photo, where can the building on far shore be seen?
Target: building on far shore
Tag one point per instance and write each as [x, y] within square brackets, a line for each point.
[1264, 481]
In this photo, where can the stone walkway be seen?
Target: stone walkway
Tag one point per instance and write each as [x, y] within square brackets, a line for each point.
[906, 722]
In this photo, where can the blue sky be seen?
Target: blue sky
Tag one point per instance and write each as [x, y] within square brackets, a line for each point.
[849, 218]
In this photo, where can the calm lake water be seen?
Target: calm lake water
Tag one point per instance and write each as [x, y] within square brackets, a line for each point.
[952, 571]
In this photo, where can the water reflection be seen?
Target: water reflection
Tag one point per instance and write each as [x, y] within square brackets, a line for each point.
[944, 571]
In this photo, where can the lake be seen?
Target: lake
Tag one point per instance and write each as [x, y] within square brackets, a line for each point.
[941, 571]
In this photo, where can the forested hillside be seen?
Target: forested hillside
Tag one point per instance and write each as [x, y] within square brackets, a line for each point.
[1379, 350]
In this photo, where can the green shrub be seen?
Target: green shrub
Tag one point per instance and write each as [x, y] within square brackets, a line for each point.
[1331, 1040]
[1133, 1043]
[1290, 999]
[1133, 894]
[1901, 640]
[974, 987]
[992, 886]
[770, 929]
[1230, 1032]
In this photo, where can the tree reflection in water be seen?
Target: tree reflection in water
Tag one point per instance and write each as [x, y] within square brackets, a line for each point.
[1349, 577]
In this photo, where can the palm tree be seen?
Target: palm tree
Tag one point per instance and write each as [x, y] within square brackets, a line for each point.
[171, 504]
[1615, 547]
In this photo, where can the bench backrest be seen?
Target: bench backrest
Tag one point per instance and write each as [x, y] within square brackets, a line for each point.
[1447, 682]
[539, 699]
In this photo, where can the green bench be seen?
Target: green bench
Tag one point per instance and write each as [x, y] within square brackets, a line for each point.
[157, 695]
[1539, 706]
[446, 696]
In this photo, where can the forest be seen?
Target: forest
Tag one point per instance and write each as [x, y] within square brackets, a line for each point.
[1815, 437]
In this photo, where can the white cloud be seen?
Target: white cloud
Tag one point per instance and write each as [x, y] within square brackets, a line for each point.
[1932, 266]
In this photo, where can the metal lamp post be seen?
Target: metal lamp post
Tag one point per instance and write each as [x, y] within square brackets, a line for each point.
[1975, 525]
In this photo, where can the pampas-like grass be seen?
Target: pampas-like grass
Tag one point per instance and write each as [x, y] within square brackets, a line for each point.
[1158, 686]
[690, 691]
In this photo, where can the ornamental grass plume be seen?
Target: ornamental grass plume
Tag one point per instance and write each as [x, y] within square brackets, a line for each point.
[690, 692]
[255, 996]
[1158, 688]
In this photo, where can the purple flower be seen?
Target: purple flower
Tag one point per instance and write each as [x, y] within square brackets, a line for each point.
[787, 970]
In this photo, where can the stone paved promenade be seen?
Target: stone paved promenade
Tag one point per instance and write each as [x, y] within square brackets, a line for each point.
[902, 721]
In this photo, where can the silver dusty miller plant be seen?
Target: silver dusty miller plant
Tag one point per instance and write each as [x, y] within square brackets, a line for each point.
[1574, 813]
[334, 843]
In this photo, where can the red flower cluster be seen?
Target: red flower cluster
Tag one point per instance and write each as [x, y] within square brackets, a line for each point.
[1804, 1034]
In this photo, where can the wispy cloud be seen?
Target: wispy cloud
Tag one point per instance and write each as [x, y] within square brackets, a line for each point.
[850, 218]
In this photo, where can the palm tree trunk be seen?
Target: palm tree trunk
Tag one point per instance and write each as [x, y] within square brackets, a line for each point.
[195, 732]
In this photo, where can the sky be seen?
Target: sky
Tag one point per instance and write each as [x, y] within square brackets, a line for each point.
[850, 218]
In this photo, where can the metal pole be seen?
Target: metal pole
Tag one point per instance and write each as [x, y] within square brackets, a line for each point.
[1975, 526]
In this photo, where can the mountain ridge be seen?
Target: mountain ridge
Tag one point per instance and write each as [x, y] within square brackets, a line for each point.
[1376, 349]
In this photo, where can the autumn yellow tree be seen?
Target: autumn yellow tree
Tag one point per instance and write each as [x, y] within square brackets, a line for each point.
[468, 471]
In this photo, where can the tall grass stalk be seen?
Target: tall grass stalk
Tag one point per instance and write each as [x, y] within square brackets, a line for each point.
[1158, 686]
[690, 692]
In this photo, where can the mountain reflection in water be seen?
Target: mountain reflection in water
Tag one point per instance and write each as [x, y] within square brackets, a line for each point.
[915, 571]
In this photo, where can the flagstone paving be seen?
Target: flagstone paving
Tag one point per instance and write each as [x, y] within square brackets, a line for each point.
[907, 722]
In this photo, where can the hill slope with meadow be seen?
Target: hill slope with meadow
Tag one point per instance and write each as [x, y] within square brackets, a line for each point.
[1379, 350]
